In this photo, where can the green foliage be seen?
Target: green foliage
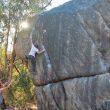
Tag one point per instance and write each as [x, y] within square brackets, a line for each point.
[3, 70]
[12, 13]
[22, 90]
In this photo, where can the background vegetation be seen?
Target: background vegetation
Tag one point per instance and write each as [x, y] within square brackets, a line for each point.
[12, 13]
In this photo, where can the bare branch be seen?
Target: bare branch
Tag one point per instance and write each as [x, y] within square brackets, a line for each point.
[47, 5]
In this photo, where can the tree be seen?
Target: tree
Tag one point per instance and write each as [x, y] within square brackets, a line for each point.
[12, 13]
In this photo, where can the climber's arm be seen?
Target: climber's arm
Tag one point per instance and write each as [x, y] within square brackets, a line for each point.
[2, 89]
[41, 51]
[5, 86]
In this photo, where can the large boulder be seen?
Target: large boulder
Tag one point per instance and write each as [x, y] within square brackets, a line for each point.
[76, 37]
[73, 73]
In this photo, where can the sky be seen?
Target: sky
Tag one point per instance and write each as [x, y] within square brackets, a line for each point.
[56, 3]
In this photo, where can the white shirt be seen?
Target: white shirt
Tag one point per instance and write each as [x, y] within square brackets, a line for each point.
[33, 50]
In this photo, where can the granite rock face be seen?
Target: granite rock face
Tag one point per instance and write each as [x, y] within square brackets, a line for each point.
[86, 93]
[73, 73]
[76, 37]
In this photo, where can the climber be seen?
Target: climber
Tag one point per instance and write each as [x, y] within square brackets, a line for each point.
[32, 54]
[2, 88]
[2, 102]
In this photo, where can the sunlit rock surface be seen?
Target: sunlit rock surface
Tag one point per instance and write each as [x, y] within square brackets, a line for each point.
[23, 43]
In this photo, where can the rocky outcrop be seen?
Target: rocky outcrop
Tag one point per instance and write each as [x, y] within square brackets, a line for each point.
[86, 93]
[76, 36]
[73, 73]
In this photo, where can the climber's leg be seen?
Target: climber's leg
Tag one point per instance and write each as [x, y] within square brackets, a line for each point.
[33, 61]
[32, 55]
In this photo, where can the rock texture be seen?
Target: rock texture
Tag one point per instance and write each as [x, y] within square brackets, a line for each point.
[76, 36]
[73, 73]
[86, 93]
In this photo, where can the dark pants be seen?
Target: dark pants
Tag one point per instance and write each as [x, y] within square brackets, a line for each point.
[33, 62]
